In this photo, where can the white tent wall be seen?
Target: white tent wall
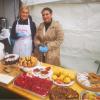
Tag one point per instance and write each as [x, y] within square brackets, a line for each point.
[81, 25]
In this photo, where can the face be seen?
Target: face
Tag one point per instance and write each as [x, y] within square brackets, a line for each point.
[47, 16]
[24, 14]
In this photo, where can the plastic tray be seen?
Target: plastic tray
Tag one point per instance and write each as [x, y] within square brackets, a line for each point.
[87, 87]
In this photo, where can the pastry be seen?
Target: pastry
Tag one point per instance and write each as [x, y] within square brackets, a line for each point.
[94, 78]
[28, 61]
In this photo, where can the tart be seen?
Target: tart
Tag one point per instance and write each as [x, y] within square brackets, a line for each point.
[62, 93]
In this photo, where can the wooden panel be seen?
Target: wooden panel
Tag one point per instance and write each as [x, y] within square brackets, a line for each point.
[9, 9]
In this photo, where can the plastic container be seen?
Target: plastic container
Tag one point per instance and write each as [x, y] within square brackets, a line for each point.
[2, 54]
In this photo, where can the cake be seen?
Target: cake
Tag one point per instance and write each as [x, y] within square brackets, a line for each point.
[11, 59]
[33, 84]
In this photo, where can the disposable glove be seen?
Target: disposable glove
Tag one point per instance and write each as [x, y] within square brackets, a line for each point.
[20, 35]
[43, 48]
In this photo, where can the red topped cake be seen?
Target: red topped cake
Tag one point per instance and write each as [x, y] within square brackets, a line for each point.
[33, 84]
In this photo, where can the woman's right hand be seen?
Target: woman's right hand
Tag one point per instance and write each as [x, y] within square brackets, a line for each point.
[20, 35]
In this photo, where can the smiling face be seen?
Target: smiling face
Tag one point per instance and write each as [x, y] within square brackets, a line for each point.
[47, 16]
[24, 13]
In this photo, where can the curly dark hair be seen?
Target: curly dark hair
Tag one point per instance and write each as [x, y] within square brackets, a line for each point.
[48, 9]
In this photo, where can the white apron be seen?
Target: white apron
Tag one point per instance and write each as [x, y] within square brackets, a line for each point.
[23, 45]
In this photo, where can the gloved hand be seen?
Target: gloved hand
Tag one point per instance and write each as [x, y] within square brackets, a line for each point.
[43, 48]
[20, 35]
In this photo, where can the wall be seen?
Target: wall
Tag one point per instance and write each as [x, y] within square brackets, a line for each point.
[81, 24]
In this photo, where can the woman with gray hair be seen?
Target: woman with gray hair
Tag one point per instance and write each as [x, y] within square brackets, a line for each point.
[23, 32]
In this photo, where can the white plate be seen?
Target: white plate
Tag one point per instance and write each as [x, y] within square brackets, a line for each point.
[63, 84]
[82, 79]
[38, 74]
[26, 69]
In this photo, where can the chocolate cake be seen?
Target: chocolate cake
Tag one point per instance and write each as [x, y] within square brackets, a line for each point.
[11, 59]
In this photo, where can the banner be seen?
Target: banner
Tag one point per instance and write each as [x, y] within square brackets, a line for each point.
[34, 2]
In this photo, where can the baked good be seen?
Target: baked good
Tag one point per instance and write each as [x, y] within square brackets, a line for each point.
[11, 59]
[28, 61]
[62, 93]
[94, 78]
